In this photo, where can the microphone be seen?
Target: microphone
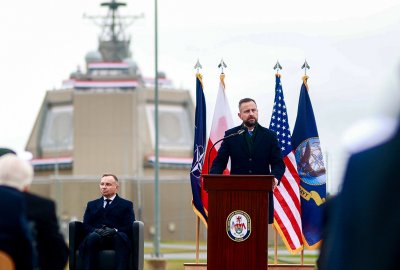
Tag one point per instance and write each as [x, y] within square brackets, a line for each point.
[240, 131]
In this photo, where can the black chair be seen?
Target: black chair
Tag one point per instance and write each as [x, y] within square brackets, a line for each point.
[106, 257]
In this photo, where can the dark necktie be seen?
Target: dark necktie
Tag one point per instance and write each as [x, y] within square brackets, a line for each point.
[250, 133]
[108, 201]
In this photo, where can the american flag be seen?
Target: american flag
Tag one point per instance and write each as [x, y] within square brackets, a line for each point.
[287, 212]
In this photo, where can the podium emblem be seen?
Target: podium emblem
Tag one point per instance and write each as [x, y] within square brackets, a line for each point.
[238, 226]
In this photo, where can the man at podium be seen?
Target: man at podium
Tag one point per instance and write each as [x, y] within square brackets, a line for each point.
[252, 148]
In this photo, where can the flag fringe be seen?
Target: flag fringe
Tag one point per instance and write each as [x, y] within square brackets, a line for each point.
[311, 247]
[292, 251]
[199, 215]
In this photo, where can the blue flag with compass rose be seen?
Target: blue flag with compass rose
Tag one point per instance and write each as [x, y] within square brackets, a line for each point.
[311, 169]
[199, 149]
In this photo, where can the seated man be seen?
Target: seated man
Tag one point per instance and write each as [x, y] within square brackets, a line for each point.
[107, 221]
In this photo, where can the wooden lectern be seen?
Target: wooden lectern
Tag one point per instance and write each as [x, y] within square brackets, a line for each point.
[237, 221]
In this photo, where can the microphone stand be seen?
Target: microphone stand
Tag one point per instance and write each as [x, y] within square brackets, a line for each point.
[214, 144]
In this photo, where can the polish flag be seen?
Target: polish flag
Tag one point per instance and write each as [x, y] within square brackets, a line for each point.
[222, 121]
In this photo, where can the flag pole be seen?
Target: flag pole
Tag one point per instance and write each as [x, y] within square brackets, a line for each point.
[302, 256]
[197, 239]
[197, 67]
[277, 67]
[157, 237]
[305, 66]
[275, 245]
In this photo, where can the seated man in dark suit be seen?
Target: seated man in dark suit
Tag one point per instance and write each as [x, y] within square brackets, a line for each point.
[107, 221]
[15, 236]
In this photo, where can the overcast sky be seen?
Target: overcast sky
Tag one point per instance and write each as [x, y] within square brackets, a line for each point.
[351, 46]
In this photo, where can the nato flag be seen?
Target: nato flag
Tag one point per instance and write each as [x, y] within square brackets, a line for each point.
[198, 150]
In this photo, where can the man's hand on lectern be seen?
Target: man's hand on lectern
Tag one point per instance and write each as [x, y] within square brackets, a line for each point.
[275, 183]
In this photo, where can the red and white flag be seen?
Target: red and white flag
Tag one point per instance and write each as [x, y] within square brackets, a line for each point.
[222, 120]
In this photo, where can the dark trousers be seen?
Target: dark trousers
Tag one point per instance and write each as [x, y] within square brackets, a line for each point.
[95, 243]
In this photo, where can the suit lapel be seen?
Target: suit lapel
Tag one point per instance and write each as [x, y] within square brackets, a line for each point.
[100, 203]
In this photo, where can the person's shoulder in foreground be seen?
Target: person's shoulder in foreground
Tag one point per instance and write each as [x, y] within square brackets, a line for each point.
[15, 237]
[51, 246]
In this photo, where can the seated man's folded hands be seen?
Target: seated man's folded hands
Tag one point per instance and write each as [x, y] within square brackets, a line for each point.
[105, 231]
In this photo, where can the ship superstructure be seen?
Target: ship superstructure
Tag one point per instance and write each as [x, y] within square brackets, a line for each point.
[111, 66]
[102, 120]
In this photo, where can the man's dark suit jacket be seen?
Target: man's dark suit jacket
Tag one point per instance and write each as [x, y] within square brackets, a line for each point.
[15, 236]
[364, 233]
[119, 215]
[51, 248]
[266, 153]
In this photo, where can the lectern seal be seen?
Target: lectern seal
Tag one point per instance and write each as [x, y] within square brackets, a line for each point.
[238, 226]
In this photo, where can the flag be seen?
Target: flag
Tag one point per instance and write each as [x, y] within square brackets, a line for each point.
[222, 120]
[311, 169]
[287, 215]
[198, 150]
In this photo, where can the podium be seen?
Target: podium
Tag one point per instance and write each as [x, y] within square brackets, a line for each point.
[237, 221]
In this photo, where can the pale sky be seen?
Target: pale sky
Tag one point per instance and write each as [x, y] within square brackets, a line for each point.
[351, 46]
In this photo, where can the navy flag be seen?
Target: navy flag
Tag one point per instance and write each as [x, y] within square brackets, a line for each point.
[311, 169]
[198, 150]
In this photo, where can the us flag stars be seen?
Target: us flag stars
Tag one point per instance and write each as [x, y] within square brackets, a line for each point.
[279, 122]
